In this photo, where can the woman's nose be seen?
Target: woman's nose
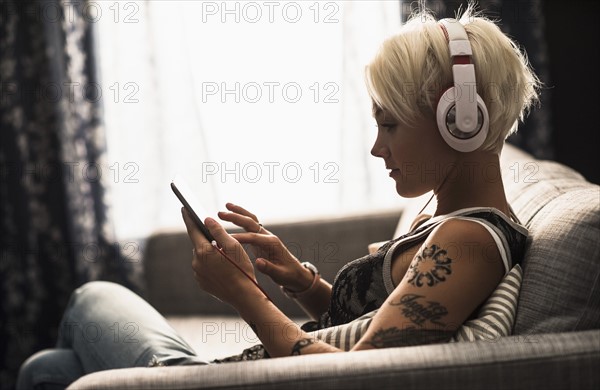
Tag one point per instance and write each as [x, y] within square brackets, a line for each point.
[379, 149]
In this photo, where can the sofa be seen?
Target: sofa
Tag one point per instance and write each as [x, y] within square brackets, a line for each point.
[556, 339]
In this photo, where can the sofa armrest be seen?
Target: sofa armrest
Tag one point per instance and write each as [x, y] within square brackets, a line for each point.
[548, 361]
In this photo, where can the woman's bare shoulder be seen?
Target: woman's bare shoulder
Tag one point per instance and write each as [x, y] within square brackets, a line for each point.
[418, 221]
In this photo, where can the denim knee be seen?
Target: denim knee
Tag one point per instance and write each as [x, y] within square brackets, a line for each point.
[95, 290]
[84, 302]
[49, 369]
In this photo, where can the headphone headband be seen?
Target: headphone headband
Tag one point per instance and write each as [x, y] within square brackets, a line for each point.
[457, 38]
[463, 73]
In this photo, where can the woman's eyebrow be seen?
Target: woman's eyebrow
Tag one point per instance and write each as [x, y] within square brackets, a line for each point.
[383, 116]
[378, 113]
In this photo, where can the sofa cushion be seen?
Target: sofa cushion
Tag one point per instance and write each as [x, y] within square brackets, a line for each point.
[496, 318]
[561, 290]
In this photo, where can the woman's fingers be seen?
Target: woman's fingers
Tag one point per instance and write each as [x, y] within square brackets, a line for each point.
[223, 238]
[264, 266]
[242, 218]
[240, 210]
[267, 245]
[247, 223]
[261, 240]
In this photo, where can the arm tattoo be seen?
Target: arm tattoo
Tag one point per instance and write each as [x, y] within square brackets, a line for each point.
[430, 267]
[302, 344]
[394, 337]
[420, 312]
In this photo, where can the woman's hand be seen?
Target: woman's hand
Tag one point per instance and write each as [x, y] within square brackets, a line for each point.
[213, 272]
[273, 258]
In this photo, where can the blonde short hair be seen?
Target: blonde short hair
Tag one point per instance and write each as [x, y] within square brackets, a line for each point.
[413, 68]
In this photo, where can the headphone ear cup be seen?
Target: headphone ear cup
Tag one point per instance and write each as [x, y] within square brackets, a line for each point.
[454, 137]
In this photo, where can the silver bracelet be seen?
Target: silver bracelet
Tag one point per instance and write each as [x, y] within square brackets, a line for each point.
[298, 294]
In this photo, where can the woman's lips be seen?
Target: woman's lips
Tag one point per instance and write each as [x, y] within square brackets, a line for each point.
[394, 172]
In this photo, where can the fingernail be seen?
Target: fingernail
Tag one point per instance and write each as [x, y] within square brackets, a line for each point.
[209, 221]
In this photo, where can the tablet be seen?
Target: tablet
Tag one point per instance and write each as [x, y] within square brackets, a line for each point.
[191, 203]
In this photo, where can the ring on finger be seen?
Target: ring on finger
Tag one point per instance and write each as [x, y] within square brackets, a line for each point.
[260, 227]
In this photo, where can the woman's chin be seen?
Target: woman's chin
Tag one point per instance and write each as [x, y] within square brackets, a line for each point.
[405, 190]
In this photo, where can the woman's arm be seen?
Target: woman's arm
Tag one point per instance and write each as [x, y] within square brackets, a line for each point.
[454, 271]
[279, 335]
[217, 276]
[314, 300]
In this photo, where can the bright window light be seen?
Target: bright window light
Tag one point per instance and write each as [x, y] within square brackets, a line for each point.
[262, 104]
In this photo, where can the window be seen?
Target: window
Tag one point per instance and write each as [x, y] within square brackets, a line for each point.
[258, 103]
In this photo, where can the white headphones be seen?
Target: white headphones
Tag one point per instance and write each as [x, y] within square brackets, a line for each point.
[462, 116]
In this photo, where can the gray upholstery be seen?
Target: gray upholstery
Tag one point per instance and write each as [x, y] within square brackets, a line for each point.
[551, 361]
[551, 348]
[561, 287]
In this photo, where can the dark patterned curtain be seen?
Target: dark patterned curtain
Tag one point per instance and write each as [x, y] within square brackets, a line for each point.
[54, 230]
[522, 20]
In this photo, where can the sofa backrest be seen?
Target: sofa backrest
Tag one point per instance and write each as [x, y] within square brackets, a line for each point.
[329, 244]
[561, 287]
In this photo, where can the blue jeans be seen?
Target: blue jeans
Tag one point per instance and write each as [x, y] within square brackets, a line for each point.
[105, 326]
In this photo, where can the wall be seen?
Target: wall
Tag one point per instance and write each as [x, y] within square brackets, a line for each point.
[572, 36]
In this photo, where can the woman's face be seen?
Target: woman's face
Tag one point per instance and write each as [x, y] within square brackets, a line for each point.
[417, 156]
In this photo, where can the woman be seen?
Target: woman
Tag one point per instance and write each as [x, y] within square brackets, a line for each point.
[416, 289]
